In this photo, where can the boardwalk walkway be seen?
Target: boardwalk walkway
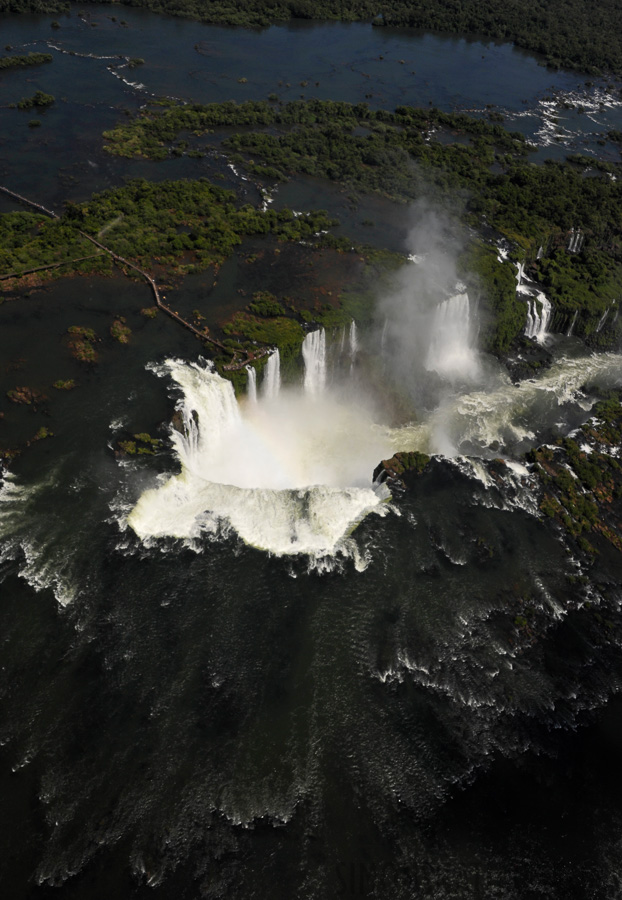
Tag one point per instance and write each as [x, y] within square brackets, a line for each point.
[56, 265]
[202, 334]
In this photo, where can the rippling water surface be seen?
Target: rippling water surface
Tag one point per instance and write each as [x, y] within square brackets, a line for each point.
[238, 669]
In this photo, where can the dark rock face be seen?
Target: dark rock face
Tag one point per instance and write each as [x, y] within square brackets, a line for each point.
[575, 484]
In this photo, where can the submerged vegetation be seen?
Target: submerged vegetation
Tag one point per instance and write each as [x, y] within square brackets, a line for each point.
[81, 343]
[39, 100]
[31, 59]
[184, 226]
[470, 163]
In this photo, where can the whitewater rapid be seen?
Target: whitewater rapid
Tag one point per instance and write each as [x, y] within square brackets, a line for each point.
[289, 474]
[292, 474]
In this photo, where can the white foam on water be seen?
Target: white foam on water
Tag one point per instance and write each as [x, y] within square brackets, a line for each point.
[507, 412]
[252, 384]
[271, 384]
[290, 475]
[314, 356]
[43, 564]
[452, 352]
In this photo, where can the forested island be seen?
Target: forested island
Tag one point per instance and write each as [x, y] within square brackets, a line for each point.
[310, 468]
[469, 162]
[560, 221]
[480, 171]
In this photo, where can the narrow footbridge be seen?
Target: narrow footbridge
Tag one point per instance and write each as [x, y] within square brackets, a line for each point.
[202, 334]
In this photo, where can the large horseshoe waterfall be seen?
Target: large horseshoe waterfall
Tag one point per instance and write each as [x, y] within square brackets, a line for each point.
[310, 451]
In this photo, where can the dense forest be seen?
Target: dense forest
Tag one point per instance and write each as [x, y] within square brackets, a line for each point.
[472, 166]
[183, 225]
[570, 33]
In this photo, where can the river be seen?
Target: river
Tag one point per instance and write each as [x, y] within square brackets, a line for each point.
[237, 668]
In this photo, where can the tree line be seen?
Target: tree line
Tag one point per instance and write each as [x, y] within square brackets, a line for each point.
[569, 33]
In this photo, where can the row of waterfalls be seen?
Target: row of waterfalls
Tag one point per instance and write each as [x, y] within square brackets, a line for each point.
[314, 354]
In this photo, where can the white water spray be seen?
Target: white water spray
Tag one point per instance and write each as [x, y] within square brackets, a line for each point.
[354, 340]
[538, 317]
[271, 384]
[602, 319]
[290, 476]
[452, 353]
[314, 356]
[252, 384]
[539, 307]
[383, 336]
[575, 242]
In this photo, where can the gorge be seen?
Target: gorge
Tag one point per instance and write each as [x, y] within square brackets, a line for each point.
[335, 612]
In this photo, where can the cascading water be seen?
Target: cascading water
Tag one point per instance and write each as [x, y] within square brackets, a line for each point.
[572, 323]
[293, 476]
[290, 476]
[314, 356]
[383, 335]
[510, 417]
[354, 341]
[354, 344]
[271, 384]
[602, 320]
[452, 353]
[538, 318]
[539, 307]
[252, 384]
[575, 242]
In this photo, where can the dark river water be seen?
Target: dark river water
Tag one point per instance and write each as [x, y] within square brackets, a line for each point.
[185, 714]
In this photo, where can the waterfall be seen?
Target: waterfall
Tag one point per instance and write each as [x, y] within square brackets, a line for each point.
[383, 336]
[291, 476]
[271, 384]
[342, 340]
[451, 352]
[354, 343]
[314, 356]
[571, 326]
[251, 390]
[520, 273]
[602, 319]
[576, 241]
[537, 321]
[530, 327]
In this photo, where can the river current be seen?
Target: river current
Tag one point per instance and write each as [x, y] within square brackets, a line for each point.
[241, 668]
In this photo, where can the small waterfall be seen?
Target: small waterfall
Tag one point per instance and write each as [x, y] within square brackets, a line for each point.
[314, 356]
[451, 352]
[575, 242]
[251, 390]
[530, 327]
[520, 271]
[271, 384]
[538, 321]
[539, 253]
[602, 320]
[354, 342]
[571, 326]
[383, 336]
[342, 341]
